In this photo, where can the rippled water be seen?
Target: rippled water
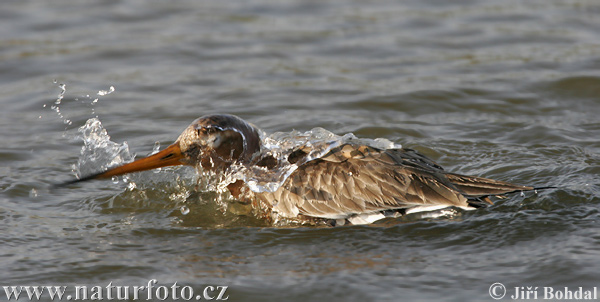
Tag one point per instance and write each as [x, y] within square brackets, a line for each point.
[502, 89]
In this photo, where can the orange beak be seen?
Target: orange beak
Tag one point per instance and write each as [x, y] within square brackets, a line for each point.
[170, 156]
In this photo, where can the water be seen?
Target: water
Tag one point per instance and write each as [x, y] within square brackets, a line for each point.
[500, 89]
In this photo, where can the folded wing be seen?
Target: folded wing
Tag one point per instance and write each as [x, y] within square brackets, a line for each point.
[358, 179]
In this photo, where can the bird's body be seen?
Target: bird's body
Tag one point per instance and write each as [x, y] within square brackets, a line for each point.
[350, 182]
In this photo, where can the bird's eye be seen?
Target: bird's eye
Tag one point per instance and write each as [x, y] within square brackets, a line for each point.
[206, 130]
[210, 130]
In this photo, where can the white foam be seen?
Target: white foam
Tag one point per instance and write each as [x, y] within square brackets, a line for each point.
[280, 145]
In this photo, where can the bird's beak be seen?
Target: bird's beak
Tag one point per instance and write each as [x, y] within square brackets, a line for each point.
[170, 156]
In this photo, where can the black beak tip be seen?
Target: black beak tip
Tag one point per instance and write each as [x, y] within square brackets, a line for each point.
[74, 181]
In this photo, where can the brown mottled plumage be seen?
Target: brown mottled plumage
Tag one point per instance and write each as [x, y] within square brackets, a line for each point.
[348, 181]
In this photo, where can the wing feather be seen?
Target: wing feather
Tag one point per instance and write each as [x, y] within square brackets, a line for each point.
[357, 179]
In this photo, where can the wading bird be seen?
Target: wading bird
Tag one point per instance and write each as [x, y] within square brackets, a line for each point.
[350, 183]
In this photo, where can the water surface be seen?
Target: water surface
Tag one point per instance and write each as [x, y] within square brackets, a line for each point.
[499, 89]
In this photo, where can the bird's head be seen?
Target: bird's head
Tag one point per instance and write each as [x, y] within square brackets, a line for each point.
[213, 141]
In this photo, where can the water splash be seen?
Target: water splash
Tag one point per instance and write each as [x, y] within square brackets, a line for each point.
[280, 145]
[131, 185]
[56, 106]
[155, 150]
[85, 100]
[110, 90]
[98, 152]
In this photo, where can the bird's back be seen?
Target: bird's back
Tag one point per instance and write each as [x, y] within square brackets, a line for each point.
[358, 179]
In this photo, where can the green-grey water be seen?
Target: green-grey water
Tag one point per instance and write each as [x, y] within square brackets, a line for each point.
[508, 90]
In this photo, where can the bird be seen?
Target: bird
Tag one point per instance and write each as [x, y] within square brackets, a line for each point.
[349, 183]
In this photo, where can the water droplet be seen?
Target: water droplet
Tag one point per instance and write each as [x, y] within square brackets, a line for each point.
[115, 179]
[522, 194]
[184, 210]
[131, 186]
[33, 193]
[156, 147]
[105, 92]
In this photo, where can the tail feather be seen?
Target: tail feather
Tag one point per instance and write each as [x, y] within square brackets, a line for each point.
[480, 187]
[478, 190]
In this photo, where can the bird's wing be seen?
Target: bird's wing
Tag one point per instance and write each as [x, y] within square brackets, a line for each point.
[471, 187]
[356, 179]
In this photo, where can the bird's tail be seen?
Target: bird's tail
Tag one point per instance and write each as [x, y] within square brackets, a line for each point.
[479, 189]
